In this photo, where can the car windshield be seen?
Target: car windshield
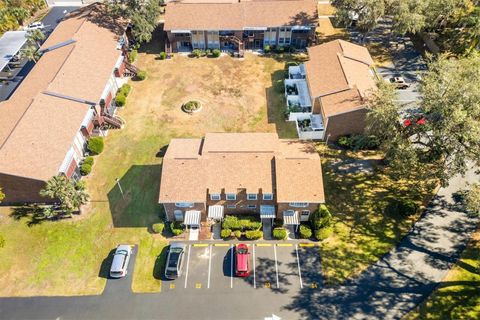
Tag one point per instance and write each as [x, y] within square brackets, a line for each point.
[124, 252]
[174, 257]
[242, 251]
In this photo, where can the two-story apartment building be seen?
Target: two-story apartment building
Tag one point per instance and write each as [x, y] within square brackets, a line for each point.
[327, 95]
[61, 103]
[240, 24]
[240, 173]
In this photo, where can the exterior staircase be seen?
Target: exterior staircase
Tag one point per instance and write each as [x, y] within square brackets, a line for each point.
[114, 121]
[237, 41]
[130, 70]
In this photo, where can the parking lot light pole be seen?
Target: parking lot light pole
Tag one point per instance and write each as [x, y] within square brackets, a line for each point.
[120, 187]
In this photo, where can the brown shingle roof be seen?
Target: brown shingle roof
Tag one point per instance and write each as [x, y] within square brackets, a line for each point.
[232, 161]
[339, 74]
[236, 15]
[42, 127]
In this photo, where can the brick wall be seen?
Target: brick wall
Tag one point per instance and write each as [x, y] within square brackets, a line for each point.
[241, 203]
[346, 123]
[285, 206]
[170, 210]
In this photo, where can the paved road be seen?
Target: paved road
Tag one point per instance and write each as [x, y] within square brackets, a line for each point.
[387, 290]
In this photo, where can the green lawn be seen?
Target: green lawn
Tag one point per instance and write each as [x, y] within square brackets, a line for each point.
[458, 295]
[362, 232]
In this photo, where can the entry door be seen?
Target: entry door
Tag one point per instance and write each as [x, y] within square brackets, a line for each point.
[258, 43]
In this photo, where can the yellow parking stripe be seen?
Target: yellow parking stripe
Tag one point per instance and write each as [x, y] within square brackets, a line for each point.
[306, 244]
[222, 245]
[200, 244]
[263, 244]
[284, 244]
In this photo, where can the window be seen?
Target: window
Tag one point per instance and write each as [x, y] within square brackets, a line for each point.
[231, 196]
[305, 213]
[283, 29]
[231, 206]
[267, 196]
[184, 204]
[280, 40]
[178, 215]
[287, 29]
[251, 206]
[251, 196]
[215, 196]
[287, 40]
[298, 204]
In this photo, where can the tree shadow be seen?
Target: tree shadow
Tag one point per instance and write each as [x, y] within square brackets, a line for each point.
[157, 44]
[34, 214]
[104, 271]
[136, 203]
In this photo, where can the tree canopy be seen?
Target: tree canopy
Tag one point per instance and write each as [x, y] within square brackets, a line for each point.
[71, 195]
[13, 13]
[441, 136]
[142, 14]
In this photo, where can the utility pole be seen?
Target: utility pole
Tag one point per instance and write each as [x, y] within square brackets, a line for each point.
[120, 187]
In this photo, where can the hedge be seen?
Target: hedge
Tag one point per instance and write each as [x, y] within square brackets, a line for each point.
[237, 234]
[359, 142]
[158, 227]
[225, 233]
[141, 75]
[305, 231]
[321, 217]
[125, 89]
[243, 224]
[85, 169]
[253, 234]
[216, 53]
[95, 145]
[132, 56]
[324, 233]
[120, 99]
[177, 228]
[280, 233]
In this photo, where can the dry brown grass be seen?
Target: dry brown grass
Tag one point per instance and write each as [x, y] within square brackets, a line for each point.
[325, 9]
[327, 32]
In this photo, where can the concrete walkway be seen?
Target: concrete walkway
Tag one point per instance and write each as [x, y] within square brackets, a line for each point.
[389, 289]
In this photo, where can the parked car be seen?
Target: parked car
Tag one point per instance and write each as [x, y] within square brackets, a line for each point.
[242, 260]
[399, 82]
[119, 268]
[34, 26]
[174, 264]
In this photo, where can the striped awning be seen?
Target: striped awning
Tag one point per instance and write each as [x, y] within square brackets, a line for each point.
[267, 212]
[290, 218]
[192, 217]
[215, 212]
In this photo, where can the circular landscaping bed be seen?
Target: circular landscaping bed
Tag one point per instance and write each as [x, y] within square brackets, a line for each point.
[192, 106]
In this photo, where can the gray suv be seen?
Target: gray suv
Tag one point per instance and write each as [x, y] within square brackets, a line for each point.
[173, 267]
[120, 261]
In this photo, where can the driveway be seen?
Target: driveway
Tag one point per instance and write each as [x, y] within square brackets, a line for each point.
[50, 21]
[285, 284]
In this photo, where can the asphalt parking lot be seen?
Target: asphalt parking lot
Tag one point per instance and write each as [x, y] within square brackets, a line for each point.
[277, 267]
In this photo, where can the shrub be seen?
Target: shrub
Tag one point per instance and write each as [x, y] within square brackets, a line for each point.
[359, 142]
[323, 233]
[85, 169]
[401, 207]
[208, 52]
[162, 55]
[280, 233]
[125, 89]
[225, 233]
[305, 231]
[88, 160]
[280, 49]
[253, 234]
[237, 234]
[246, 223]
[191, 105]
[95, 145]
[321, 218]
[266, 48]
[216, 53]
[141, 75]
[120, 100]
[197, 53]
[344, 142]
[132, 56]
[158, 227]
[177, 228]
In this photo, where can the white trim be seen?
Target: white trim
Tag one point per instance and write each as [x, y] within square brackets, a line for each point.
[215, 196]
[298, 204]
[184, 204]
[230, 194]
[252, 194]
[268, 194]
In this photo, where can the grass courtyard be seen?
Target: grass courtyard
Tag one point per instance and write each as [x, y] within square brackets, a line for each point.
[71, 257]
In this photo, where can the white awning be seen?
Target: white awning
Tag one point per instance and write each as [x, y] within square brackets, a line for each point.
[192, 217]
[290, 218]
[215, 212]
[267, 212]
[180, 31]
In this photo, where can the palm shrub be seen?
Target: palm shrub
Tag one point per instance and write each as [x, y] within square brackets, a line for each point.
[95, 145]
[70, 194]
[280, 233]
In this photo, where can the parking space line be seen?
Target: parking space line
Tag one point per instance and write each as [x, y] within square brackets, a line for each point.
[221, 245]
[254, 280]
[188, 262]
[209, 267]
[231, 266]
[276, 264]
[263, 244]
[284, 244]
[306, 244]
[200, 244]
[299, 270]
